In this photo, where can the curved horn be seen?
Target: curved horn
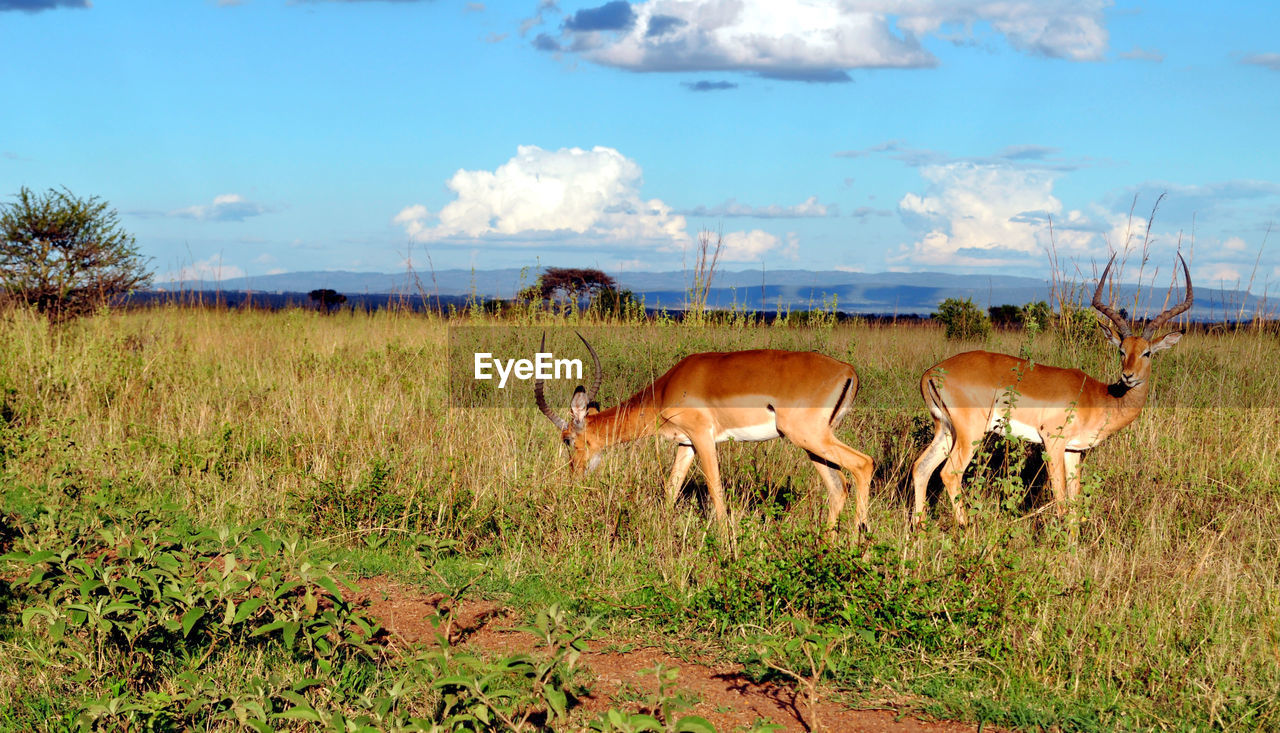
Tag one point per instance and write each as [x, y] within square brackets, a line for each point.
[599, 376]
[1164, 317]
[1121, 325]
[541, 399]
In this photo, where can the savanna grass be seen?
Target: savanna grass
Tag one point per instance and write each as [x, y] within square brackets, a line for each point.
[1161, 610]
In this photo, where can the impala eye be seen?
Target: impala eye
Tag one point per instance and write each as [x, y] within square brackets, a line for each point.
[1146, 354]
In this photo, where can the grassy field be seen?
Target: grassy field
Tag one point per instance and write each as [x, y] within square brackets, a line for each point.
[183, 490]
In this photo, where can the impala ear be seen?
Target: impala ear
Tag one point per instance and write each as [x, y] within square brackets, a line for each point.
[1166, 341]
[578, 408]
[1112, 336]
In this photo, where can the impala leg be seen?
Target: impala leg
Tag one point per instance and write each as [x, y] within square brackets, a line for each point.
[1071, 459]
[1055, 462]
[953, 472]
[862, 467]
[837, 490]
[679, 470]
[705, 447]
[809, 429]
[925, 465]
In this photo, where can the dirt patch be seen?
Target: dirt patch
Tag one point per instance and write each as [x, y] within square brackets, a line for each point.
[621, 668]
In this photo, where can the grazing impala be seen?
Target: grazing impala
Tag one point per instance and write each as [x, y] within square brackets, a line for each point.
[710, 398]
[1066, 410]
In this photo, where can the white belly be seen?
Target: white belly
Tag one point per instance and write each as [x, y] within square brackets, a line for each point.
[750, 433]
[1016, 429]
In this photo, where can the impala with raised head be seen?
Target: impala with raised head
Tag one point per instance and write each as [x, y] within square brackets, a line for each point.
[713, 397]
[1065, 410]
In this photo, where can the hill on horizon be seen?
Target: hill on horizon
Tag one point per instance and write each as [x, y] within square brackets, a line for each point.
[850, 292]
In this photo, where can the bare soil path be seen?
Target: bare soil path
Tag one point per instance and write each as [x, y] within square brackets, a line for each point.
[725, 696]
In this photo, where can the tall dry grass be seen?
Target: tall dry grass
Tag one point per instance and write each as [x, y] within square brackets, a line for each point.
[1164, 611]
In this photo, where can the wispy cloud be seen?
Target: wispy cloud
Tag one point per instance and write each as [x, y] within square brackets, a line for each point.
[1265, 60]
[1028, 156]
[1143, 54]
[539, 17]
[708, 86]
[226, 207]
[809, 208]
[35, 6]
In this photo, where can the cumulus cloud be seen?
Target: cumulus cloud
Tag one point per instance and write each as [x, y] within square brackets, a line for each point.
[35, 6]
[570, 195]
[226, 207]
[809, 208]
[755, 244]
[983, 214]
[820, 41]
[1219, 273]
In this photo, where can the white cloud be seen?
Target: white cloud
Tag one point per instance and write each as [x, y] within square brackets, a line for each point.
[571, 195]
[1235, 244]
[1219, 273]
[755, 244]
[413, 219]
[1067, 29]
[987, 214]
[226, 207]
[817, 41]
[209, 270]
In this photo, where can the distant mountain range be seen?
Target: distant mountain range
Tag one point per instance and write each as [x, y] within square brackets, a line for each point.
[852, 292]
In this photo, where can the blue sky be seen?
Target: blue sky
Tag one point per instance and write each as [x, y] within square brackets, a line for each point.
[262, 136]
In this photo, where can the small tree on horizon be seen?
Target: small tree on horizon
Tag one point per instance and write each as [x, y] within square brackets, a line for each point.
[568, 284]
[64, 255]
[327, 299]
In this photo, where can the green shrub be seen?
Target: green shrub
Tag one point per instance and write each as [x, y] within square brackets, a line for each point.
[1037, 316]
[963, 319]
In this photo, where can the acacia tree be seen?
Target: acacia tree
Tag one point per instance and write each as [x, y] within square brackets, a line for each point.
[568, 284]
[65, 255]
[327, 298]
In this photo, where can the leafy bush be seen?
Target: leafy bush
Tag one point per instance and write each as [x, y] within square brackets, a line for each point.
[1037, 316]
[963, 319]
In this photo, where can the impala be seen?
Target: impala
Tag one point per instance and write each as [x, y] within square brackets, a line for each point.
[713, 397]
[1065, 410]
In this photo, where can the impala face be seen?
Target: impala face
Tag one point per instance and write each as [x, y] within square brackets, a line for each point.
[583, 444]
[1136, 353]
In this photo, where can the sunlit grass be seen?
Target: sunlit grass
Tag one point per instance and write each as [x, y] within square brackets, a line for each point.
[1165, 611]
